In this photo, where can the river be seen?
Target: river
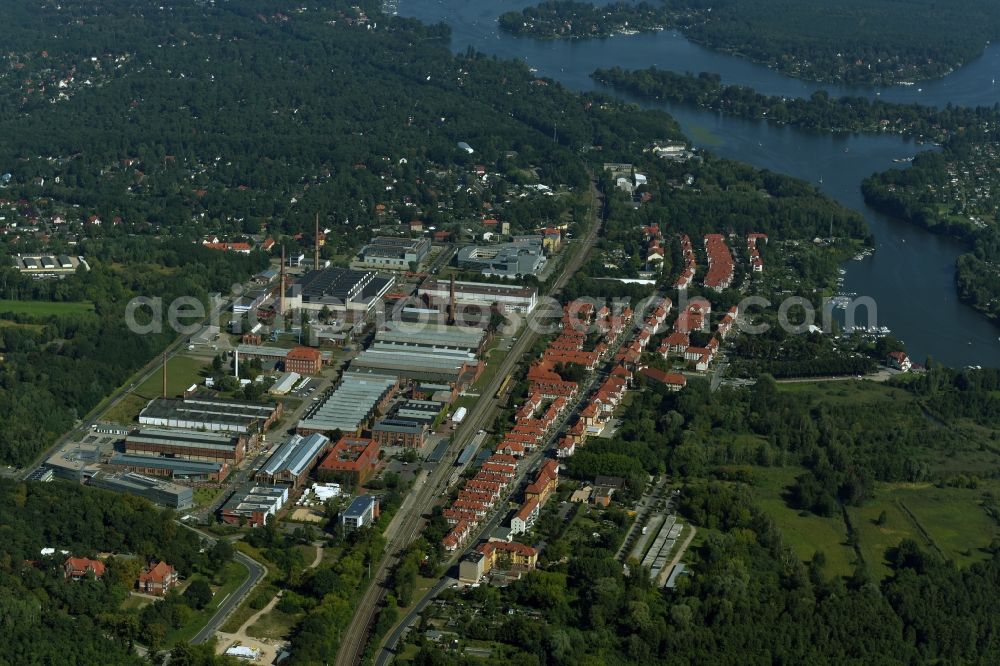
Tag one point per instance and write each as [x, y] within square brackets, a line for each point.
[911, 275]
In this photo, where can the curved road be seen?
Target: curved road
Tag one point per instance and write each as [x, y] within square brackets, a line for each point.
[256, 572]
[354, 639]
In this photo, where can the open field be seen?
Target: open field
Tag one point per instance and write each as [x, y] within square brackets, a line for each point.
[274, 625]
[849, 392]
[954, 519]
[6, 323]
[955, 522]
[127, 410]
[182, 372]
[804, 532]
[45, 308]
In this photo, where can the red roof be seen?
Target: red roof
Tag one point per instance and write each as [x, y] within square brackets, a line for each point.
[81, 565]
[670, 378]
[304, 354]
[157, 573]
[508, 547]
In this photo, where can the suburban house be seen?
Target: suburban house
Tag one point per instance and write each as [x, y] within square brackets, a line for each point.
[900, 361]
[77, 568]
[158, 579]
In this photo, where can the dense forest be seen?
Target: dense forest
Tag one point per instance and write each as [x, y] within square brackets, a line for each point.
[48, 619]
[873, 42]
[57, 367]
[228, 118]
[751, 598]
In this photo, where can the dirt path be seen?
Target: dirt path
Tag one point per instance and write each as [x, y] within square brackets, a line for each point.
[317, 559]
[268, 651]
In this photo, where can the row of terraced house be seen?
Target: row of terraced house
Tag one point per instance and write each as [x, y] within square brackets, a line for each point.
[548, 399]
[695, 318]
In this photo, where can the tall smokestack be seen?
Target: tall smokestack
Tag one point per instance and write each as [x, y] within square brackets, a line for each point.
[236, 364]
[281, 284]
[316, 246]
[164, 374]
[451, 302]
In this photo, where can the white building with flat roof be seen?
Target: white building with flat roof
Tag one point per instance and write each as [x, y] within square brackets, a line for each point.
[511, 297]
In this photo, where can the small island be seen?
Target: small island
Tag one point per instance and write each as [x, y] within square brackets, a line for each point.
[567, 19]
[852, 42]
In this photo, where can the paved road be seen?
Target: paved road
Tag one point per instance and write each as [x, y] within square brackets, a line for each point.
[386, 654]
[256, 572]
[354, 639]
[529, 466]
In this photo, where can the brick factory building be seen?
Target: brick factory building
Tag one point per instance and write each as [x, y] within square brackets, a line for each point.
[304, 360]
[352, 460]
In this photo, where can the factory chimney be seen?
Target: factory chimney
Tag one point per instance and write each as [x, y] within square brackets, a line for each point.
[281, 284]
[164, 374]
[316, 246]
[451, 302]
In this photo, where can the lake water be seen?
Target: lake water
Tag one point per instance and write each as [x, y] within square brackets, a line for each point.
[911, 274]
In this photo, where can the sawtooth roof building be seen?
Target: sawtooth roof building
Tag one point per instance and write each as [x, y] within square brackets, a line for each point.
[293, 460]
[213, 414]
[356, 401]
[187, 444]
[345, 292]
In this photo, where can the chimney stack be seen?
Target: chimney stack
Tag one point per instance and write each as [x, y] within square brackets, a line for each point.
[451, 302]
[281, 284]
[164, 374]
[316, 247]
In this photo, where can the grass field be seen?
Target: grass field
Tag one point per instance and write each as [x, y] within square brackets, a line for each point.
[849, 392]
[953, 519]
[127, 410]
[45, 308]
[6, 323]
[205, 496]
[805, 533]
[232, 575]
[275, 625]
[182, 372]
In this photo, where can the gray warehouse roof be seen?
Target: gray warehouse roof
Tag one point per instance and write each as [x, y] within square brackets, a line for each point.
[160, 492]
[295, 455]
[229, 414]
[180, 437]
[351, 403]
[178, 466]
[417, 362]
[432, 335]
[398, 425]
